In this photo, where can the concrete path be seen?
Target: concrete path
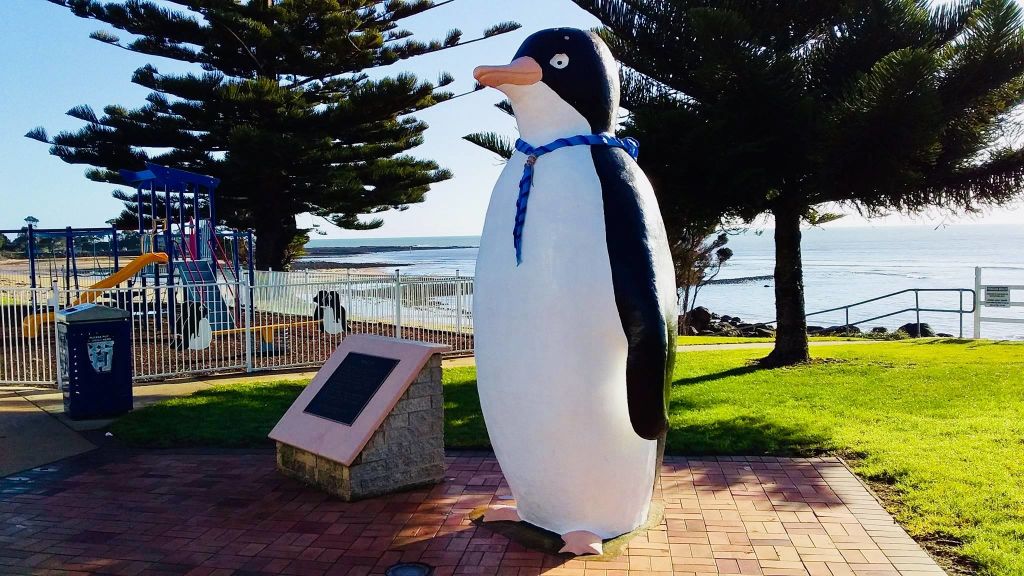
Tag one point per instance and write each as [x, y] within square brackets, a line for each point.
[29, 437]
[35, 431]
[232, 513]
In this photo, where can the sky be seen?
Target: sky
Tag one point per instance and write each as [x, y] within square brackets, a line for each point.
[50, 65]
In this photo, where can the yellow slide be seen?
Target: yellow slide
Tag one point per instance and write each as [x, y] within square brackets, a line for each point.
[32, 325]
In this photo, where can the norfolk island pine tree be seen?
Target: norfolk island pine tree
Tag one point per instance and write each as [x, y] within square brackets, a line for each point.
[280, 108]
[782, 106]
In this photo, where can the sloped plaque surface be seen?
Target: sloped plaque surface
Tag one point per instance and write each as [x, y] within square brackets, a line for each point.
[348, 390]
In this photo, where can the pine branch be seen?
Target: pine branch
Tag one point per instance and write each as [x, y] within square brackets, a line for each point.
[501, 146]
[506, 107]
[38, 133]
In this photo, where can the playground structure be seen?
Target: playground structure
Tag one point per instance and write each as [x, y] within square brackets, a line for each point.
[178, 245]
[196, 303]
[187, 233]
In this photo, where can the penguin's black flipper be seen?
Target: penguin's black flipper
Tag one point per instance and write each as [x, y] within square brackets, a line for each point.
[646, 320]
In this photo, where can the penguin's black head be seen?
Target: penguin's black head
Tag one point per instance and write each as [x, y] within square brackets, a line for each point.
[575, 64]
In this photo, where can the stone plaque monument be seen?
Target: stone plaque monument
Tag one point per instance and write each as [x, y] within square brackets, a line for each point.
[371, 422]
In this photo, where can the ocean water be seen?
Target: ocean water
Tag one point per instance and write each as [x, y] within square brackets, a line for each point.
[842, 265]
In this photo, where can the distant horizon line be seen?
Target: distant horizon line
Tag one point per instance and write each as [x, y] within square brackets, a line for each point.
[750, 228]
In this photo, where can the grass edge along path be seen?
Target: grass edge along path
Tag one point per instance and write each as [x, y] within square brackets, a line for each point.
[936, 425]
[704, 340]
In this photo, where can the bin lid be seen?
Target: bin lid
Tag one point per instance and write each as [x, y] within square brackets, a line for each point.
[90, 313]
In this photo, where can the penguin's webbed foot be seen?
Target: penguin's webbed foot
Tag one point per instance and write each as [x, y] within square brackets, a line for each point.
[581, 543]
[502, 514]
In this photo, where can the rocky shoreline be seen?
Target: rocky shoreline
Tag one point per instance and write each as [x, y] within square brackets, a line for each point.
[702, 322]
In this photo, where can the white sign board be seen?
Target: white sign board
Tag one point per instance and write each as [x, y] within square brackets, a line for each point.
[997, 296]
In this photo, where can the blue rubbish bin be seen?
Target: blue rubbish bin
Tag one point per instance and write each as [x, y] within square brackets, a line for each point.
[95, 347]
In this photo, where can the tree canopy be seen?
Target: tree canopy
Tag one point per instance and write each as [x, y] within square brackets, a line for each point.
[782, 106]
[281, 107]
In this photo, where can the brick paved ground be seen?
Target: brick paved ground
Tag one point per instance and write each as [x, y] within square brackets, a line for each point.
[232, 514]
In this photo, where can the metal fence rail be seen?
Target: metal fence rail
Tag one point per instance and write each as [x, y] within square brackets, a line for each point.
[283, 321]
[917, 309]
[26, 360]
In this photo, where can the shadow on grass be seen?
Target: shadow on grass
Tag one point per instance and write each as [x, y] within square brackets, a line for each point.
[738, 371]
[464, 426]
[746, 436]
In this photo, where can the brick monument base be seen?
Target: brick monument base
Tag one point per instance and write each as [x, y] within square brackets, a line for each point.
[405, 451]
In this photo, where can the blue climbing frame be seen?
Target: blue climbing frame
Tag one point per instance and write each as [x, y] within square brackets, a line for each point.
[188, 234]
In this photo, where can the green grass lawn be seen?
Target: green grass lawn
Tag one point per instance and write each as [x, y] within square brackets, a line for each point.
[938, 425]
[229, 416]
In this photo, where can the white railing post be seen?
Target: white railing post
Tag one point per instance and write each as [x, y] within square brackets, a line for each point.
[55, 302]
[54, 295]
[977, 302]
[458, 303]
[348, 297]
[247, 311]
[398, 303]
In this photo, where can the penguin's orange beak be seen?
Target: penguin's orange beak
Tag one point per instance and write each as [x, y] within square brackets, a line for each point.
[521, 72]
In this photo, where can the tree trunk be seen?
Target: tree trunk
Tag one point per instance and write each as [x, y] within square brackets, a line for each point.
[791, 337]
[274, 234]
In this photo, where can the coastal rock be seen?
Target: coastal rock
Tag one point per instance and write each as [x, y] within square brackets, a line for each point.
[944, 335]
[814, 329]
[840, 331]
[922, 330]
[722, 329]
[698, 318]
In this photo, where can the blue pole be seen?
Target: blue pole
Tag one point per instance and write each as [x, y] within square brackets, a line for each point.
[234, 252]
[138, 210]
[213, 214]
[32, 255]
[170, 276]
[252, 255]
[142, 242]
[167, 210]
[181, 207]
[113, 246]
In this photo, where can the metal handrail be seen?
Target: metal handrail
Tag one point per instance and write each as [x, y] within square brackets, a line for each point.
[916, 308]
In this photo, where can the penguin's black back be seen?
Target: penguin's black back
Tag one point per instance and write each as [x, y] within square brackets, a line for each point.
[648, 322]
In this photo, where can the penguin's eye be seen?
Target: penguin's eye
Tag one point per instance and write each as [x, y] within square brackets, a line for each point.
[560, 61]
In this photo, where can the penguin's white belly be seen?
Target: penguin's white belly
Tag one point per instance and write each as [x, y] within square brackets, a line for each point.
[551, 355]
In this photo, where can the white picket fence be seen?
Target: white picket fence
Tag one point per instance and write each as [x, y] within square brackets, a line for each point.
[274, 324]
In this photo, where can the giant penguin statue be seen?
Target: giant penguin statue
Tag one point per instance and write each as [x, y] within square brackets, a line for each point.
[574, 301]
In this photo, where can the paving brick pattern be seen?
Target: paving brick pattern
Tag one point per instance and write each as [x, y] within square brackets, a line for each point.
[232, 514]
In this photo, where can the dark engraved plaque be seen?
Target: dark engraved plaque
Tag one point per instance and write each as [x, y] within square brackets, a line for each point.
[348, 390]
